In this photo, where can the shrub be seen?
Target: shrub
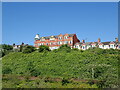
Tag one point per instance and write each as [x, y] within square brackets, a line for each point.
[43, 48]
[2, 53]
[65, 47]
[6, 71]
[7, 47]
[75, 49]
[28, 49]
[65, 81]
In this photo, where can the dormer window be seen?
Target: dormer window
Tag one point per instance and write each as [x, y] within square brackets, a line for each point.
[52, 38]
[65, 37]
[42, 39]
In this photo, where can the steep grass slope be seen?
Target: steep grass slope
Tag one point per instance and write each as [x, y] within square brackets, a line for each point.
[89, 64]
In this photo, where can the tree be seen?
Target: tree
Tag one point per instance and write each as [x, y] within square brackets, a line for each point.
[21, 48]
[7, 47]
[43, 48]
[28, 49]
[65, 47]
[2, 53]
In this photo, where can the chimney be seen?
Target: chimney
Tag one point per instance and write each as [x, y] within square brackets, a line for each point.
[22, 44]
[13, 44]
[99, 40]
[116, 39]
[83, 41]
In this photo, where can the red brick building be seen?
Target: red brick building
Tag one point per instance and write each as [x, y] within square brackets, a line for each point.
[54, 42]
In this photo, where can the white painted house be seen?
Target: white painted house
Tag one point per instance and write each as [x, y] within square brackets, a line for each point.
[103, 45]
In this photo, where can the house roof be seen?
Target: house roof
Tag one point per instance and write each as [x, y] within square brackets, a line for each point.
[106, 43]
[48, 37]
[78, 43]
[88, 43]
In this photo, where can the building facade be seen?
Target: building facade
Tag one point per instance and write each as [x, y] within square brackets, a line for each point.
[103, 45]
[54, 42]
[17, 47]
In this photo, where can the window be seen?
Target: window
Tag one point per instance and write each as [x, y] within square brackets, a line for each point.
[46, 43]
[39, 44]
[93, 45]
[51, 43]
[70, 42]
[59, 43]
[111, 46]
[76, 46]
[55, 43]
[101, 46]
[83, 47]
[65, 37]
[60, 38]
[43, 39]
[65, 42]
[88, 46]
[52, 38]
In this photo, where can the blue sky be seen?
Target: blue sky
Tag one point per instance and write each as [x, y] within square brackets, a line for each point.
[89, 20]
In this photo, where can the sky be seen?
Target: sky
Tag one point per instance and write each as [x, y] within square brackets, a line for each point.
[21, 21]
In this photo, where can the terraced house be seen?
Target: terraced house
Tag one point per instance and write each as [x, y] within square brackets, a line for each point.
[54, 42]
[104, 45]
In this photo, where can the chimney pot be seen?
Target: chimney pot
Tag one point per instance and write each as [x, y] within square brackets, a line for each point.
[116, 39]
[99, 40]
[83, 41]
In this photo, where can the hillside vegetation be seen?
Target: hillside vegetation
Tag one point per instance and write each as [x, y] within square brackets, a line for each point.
[99, 68]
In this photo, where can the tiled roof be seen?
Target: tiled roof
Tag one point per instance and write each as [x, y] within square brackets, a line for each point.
[106, 43]
[88, 43]
[48, 37]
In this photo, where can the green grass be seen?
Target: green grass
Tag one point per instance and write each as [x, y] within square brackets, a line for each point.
[62, 64]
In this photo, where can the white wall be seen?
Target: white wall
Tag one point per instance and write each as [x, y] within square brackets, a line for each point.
[106, 47]
[52, 48]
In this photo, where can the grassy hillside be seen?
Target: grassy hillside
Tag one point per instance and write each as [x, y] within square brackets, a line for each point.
[93, 64]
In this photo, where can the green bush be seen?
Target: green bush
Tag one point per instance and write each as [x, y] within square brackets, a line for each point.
[43, 48]
[7, 47]
[28, 49]
[65, 81]
[6, 70]
[64, 47]
[75, 49]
